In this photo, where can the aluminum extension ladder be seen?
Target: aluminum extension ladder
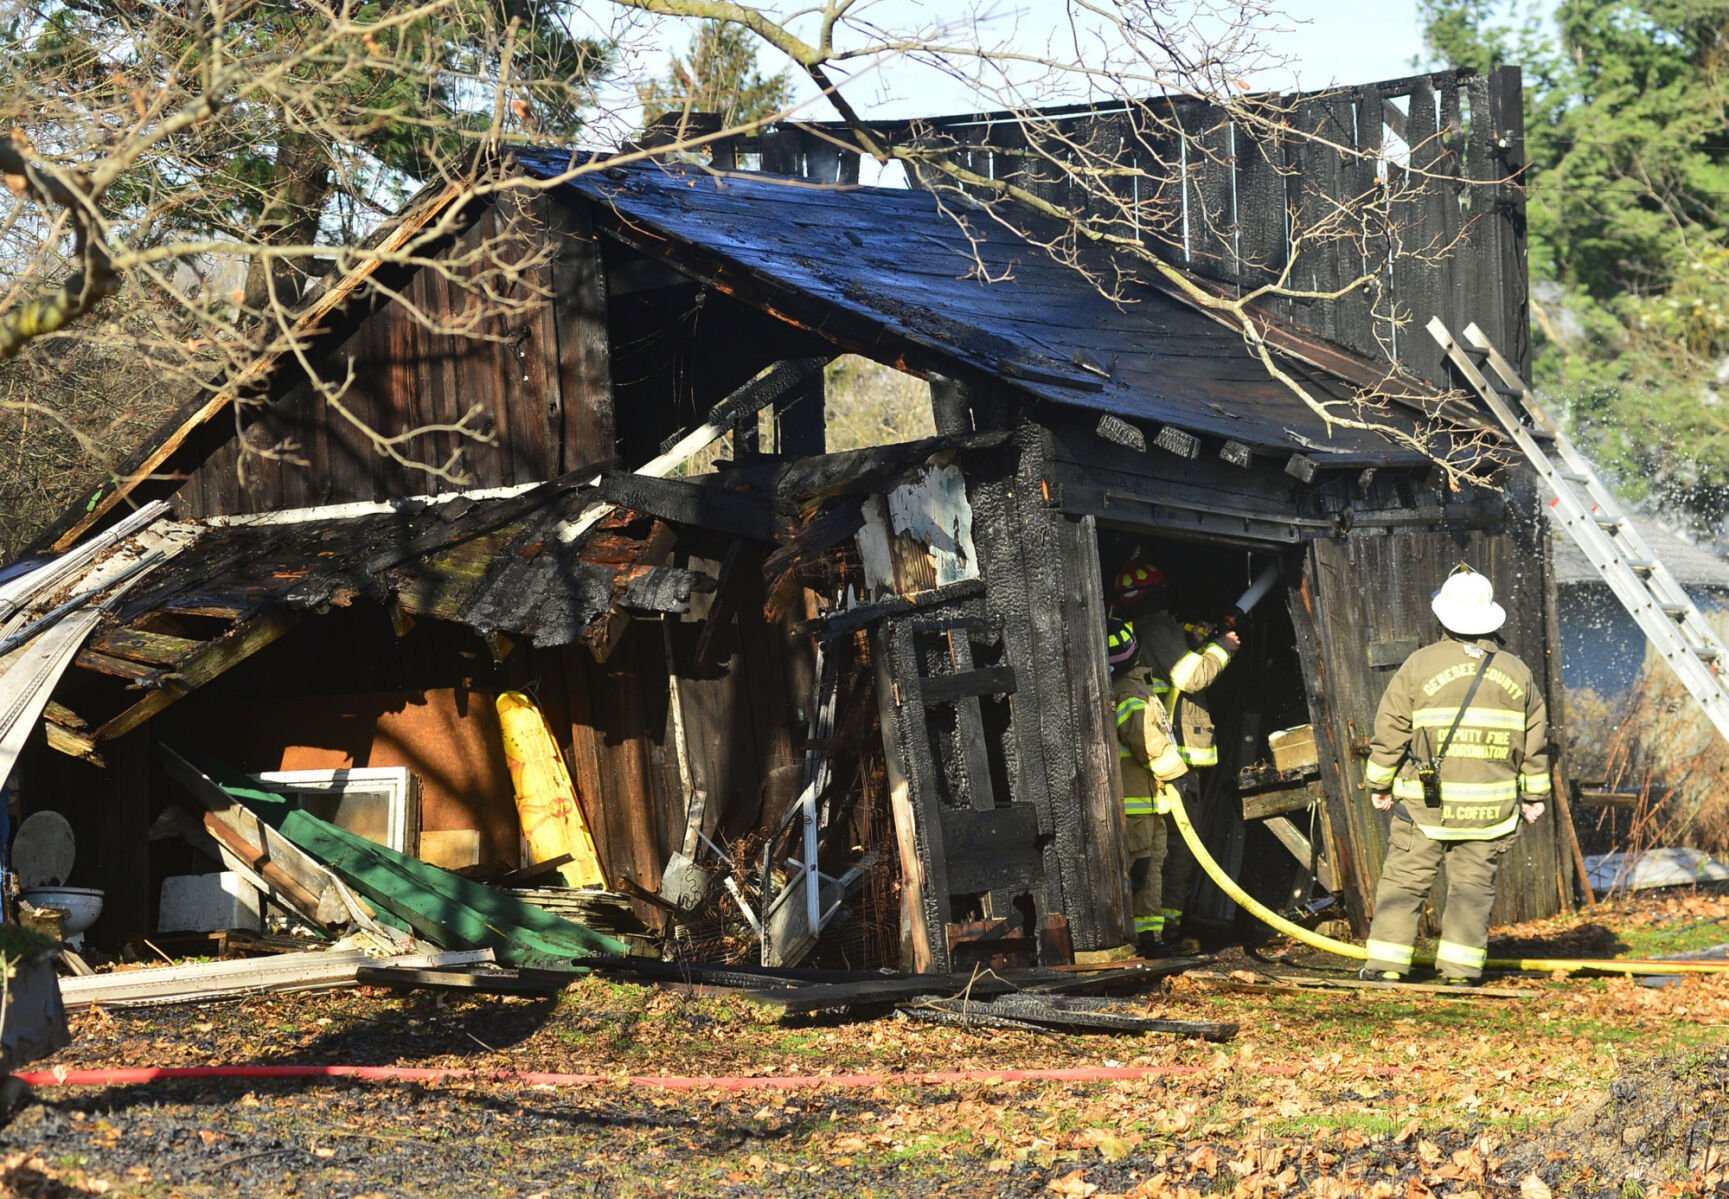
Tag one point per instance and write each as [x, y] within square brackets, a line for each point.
[1589, 514]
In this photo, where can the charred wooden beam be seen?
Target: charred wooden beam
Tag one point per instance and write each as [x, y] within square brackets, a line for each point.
[137, 645]
[947, 688]
[206, 664]
[707, 505]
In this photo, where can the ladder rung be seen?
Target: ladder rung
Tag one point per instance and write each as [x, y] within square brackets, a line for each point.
[1678, 611]
[1475, 354]
[1641, 567]
[1572, 476]
[1706, 653]
[1506, 389]
[1608, 522]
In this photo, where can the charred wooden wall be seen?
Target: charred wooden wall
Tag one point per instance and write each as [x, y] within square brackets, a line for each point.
[541, 374]
[1428, 164]
[1042, 573]
[1361, 607]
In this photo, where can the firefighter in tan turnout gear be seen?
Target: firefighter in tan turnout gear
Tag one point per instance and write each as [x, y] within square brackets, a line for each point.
[1460, 753]
[1149, 763]
[1182, 665]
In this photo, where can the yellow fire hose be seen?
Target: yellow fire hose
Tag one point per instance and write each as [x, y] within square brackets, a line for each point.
[1546, 965]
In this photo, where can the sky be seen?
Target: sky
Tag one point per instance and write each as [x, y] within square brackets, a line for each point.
[1323, 43]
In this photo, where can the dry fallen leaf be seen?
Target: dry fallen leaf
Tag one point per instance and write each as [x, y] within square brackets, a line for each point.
[1534, 1188]
[1074, 1184]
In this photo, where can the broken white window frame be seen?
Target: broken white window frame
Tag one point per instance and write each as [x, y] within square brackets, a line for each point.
[399, 785]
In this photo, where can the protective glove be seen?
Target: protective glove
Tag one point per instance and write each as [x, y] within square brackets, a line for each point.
[1383, 800]
[1533, 812]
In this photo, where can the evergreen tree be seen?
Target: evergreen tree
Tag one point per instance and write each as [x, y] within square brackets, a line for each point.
[1627, 103]
[719, 76]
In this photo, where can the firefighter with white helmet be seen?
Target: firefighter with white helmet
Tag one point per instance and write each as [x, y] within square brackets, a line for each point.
[1460, 753]
[1149, 763]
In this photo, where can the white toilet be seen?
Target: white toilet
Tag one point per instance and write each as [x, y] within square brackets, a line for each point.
[42, 856]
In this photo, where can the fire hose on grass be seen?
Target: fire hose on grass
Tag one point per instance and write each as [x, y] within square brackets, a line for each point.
[1257, 590]
[1344, 949]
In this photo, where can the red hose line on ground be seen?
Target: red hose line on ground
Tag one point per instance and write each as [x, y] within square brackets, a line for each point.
[121, 1077]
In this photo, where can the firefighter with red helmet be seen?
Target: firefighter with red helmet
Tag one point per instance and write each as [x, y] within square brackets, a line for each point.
[1180, 665]
[1150, 764]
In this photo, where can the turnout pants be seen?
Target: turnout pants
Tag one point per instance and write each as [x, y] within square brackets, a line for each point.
[1413, 858]
[1146, 871]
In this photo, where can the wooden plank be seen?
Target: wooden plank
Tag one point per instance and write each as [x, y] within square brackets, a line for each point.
[948, 688]
[1277, 802]
[1506, 279]
[411, 978]
[312, 971]
[970, 726]
[1417, 280]
[995, 850]
[691, 502]
[296, 880]
[1292, 839]
[584, 348]
[924, 873]
[1333, 717]
[71, 742]
[1291, 983]
[119, 668]
[137, 645]
[208, 663]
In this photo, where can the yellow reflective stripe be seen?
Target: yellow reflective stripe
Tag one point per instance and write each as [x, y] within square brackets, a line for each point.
[1408, 787]
[1438, 832]
[1126, 708]
[1377, 775]
[1477, 718]
[1534, 784]
[1149, 924]
[1187, 670]
[1391, 951]
[1172, 915]
[1124, 751]
[1460, 955]
[1208, 756]
[1140, 805]
[1168, 764]
[1218, 653]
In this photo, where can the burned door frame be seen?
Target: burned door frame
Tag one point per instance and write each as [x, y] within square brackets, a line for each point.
[1353, 637]
[1032, 666]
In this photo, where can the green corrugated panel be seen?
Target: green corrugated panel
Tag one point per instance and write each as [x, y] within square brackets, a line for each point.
[445, 908]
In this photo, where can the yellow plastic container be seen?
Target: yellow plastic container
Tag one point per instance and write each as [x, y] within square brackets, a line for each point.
[545, 796]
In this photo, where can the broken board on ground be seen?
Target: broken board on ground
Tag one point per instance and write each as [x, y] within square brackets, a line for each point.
[1297, 982]
[800, 992]
[1043, 1013]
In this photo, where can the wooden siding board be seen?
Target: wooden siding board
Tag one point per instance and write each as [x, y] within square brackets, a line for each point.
[584, 369]
[1416, 277]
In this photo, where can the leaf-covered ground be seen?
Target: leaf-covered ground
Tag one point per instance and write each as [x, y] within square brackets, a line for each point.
[1586, 1087]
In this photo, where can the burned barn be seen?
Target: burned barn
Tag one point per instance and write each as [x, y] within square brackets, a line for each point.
[850, 704]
